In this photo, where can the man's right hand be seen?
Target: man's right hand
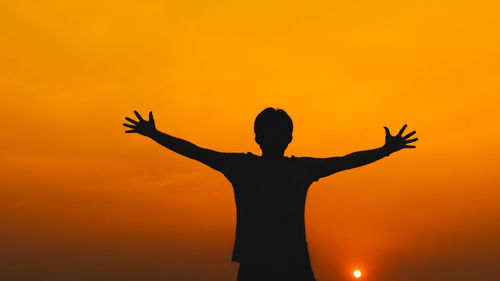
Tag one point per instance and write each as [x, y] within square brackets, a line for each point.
[143, 127]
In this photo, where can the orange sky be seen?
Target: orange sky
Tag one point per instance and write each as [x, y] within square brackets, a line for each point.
[80, 200]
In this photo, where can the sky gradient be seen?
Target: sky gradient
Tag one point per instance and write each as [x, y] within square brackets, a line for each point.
[82, 201]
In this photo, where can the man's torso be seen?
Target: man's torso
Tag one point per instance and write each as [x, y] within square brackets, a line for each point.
[270, 200]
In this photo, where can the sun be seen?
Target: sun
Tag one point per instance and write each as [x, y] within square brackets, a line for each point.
[357, 273]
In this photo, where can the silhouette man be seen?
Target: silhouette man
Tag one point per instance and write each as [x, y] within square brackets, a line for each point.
[270, 191]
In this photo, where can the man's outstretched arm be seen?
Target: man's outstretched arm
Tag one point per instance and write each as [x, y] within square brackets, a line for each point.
[147, 128]
[323, 167]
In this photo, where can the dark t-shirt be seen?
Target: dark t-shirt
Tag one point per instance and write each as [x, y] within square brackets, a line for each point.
[270, 198]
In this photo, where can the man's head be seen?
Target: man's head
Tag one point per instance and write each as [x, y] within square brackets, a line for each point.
[273, 130]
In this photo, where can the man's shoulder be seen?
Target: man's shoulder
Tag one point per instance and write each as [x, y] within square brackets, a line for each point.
[303, 159]
[238, 157]
[306, 165]
[236, 162]
[234, 154]
[242, 155]
[251, 155]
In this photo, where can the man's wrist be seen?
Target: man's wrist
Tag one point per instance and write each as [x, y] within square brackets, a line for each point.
[153, 134]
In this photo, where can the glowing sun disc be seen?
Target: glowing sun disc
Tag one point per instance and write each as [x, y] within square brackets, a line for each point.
[357, 273]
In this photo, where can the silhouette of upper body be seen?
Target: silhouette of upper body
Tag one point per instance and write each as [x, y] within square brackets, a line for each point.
[270, 190]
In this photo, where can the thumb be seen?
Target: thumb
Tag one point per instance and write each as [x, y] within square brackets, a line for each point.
[151, 116]
[387, 131]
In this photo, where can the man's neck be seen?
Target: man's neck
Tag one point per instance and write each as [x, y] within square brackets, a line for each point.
[273, 155]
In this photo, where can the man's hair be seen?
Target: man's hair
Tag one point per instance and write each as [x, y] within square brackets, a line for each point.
[272, 120]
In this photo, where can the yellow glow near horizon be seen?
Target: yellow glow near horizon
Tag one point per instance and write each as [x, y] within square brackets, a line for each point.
[357, 273]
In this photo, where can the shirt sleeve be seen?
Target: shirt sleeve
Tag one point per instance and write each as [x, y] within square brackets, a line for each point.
[308, 168]
[224, 162]
[316, 168]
